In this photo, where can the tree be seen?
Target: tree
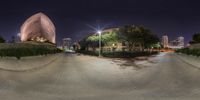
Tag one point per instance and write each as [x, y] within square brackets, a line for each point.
[107, 38]
[110, 38]
[84, 44]
[138, 35]
[150, 39]
[93, 42]
[2, 40]
[131, 35]
[195, 39]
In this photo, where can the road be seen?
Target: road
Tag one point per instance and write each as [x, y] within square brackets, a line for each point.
[78, 77]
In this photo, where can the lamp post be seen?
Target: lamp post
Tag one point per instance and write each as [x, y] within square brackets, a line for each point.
[99, 32]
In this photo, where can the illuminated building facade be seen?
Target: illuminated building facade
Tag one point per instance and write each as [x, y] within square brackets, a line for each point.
[165, 41]
[178, 43]
[38, 28]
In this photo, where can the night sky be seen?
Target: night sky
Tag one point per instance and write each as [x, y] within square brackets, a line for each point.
[74, 18]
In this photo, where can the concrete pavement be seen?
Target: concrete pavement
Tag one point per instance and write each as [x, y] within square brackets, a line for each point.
[190, 59]
[73, 77]
[26, 63]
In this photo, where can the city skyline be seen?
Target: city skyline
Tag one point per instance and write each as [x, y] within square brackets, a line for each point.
[100, 49]
[177, 17]
[175, 43]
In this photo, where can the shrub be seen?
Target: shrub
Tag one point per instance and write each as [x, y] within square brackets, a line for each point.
[119, 54]
[194, 52]
[19, 50]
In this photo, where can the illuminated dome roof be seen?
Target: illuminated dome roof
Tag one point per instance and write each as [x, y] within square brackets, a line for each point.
[38, 28]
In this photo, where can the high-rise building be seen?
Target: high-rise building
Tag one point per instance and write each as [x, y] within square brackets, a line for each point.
[181, 42]
[165, 41]
[178, 43]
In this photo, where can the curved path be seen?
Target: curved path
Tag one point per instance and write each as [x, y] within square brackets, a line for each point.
[74, 77]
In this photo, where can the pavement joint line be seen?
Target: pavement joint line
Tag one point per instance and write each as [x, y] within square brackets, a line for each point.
[187, 62]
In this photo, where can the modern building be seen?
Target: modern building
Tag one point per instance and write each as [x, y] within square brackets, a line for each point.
[178, 43]
[38, 28]
[67, 44]
[165, 41]
[181, 42]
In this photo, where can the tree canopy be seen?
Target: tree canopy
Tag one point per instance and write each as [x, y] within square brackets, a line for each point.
[2, 40]
[139, 35]
[106, 37]
[132, 35]
[196, 38]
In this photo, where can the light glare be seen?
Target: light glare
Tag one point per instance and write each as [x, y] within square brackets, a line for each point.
[99, 32]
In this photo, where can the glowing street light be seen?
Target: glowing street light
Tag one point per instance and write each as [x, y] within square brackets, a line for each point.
[99, 32]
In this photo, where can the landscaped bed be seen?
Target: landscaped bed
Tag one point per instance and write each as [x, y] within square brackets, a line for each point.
[19, 50]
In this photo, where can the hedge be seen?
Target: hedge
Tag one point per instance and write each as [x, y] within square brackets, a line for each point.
[188, 51]
[23, 50]
[119, 54]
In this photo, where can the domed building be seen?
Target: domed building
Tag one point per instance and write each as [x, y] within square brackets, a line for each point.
[38, 28]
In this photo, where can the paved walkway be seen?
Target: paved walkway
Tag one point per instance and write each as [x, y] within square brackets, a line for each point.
[73, 77]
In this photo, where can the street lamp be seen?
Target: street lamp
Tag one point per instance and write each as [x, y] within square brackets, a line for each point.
[99, 32]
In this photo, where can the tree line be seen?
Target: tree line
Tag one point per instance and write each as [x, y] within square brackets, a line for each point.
[195, 38]
[129, 35]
